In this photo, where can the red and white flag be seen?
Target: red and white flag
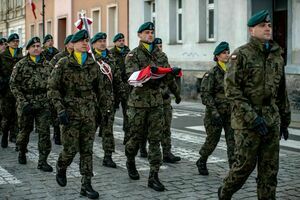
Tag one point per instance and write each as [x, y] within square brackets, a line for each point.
[33, 7]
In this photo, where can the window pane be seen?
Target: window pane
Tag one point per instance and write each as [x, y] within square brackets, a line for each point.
[180, 27]
[211, 24]
[179, 3]
[210, 1]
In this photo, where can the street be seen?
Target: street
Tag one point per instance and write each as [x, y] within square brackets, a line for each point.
[181, 180]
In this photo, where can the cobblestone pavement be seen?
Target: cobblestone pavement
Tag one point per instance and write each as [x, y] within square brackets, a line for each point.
[181, 180]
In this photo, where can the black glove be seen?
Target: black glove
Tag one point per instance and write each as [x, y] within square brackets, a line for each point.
[178, 100]
[154, 69]
[63, 117]
[260, 126]
[216, 120]
[176, 70]
[284, 132]
[27, 109]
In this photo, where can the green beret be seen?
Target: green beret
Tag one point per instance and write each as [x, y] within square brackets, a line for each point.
[32, 41]
[47, 37]
[118, 36]
[261, 16]
[3, 40]
[98, 36]
[80, 35]
[157, 41]
[221, 47]
[12, 37]
[146, 26]
[68, 38]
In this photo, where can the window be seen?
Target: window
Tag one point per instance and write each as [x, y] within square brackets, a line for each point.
[96, 25]
[32, 33]
[210, 19]
[19, 3]
[153, 15]
[112, 24]
[41, 30]
[20, 33]
[179, 21]
[49, 27]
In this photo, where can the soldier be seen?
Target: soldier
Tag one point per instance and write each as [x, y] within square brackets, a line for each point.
[8, 59]
[111, 84]
[255, 85]
[28, 83]
[73, 89]
[145, 107]
[172, 87]
[54, 120]
[3, 44]
[217, 111]
[119, 52]
[48, 49]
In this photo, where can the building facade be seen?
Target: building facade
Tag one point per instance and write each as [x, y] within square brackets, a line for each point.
[12, 18]
[191, 29]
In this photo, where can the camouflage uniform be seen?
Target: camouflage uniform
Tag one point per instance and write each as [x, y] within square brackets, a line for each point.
[7, 100]
[145, 106]
[255, 85]
[119, 56]
[74, 88]
[49, 55]
[28, 83]
[217, 106]
[106, 101]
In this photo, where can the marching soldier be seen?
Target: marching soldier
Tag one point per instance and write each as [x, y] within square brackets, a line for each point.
[67, 51]
[48, 49]
[8, 59]
[28, 83]
[73, 88]
[255, 84]
[217, 111]
[110, 84]
[3, 44]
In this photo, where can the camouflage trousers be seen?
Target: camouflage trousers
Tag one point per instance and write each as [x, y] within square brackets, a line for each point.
[54, 120]
[145, 123]
[106, 129]
[125, 121]
[41, 118]
[213, 137]
[252, 149]
[78, 136]
[9, 115]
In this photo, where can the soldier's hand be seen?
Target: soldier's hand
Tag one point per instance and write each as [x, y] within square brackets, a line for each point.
[27, 108]
[178, 100]
[284, 132]
[154, 69]
[63, 117]
[176, 71]
[260, 126]
[216, 120]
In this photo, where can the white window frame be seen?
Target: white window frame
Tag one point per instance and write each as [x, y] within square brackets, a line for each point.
[209, 7]
[153, 13]
[38, 28]
[93, 32]
[110, 43]
[179, 12]
[47, 31]
[32, 34]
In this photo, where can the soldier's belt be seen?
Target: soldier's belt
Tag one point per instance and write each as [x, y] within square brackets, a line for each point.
[263, 102]
[79, 94]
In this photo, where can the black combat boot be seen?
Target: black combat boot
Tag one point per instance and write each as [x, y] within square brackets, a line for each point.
[44, 166]
[12, 137]
[87, 189]
[154, 183]
[56, 135]
[201, 164]
[132, 172]
[4, 139]
[22, 158]
[108, 162]
[171, 158]
[61, 177]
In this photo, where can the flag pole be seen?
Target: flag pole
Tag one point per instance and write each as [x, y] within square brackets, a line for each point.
[43, 15]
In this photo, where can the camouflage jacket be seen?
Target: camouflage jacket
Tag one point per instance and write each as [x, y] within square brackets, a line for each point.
[255, 84]
[212, 92]
[75, 88]
[48, 55]
[28, 82]
[58, 56]
[150, 94]
[7, 62]
[169, 86]
[120, 60]
[109, 90]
